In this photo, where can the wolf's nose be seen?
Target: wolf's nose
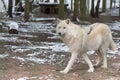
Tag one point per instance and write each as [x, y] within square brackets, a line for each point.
[59, 33]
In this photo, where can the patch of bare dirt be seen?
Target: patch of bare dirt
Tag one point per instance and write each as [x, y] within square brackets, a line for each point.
[11, 69]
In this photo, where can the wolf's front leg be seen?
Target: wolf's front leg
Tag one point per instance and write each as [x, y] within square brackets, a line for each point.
[91, 68]
[70, 63]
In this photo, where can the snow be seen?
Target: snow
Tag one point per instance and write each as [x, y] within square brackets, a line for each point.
[43, 19]
[12, 25]
[19, 58]
[25, 78]
[2, 9]
[8, 39]
[41, 52]
[56, 47]
[115, 25]
[33, 54]
[37, 60]
[113, 78]
[3, 55]
[112, 12]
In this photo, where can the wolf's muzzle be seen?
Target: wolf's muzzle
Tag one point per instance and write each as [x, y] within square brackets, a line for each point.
[59, 34]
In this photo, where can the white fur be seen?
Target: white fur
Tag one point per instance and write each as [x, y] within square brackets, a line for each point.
[79, 41]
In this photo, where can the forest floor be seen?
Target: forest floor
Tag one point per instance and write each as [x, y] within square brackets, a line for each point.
[36, 53]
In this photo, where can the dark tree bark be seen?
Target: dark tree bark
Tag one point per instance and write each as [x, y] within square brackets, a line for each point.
[47, 1]
[83, 10]
[104, 6]
[41, 0]
[119, 8]
[75, 14]
[111, 4]
[30, 5]
[92, 12]
[10, 6]
[61, 12]
[16, 2]
[97, 9]
[71, 4]
[55, 1]
[27, 10]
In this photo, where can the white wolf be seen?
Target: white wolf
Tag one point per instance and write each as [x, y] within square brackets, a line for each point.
[79, 41]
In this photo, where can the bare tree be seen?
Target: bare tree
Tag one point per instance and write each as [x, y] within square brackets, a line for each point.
[61, 11]
[104, 6]
[30, 5]
[97, 9]
[55, 1]
[27, 10]
[75, 14]
[119, 8]
[71, 4]
[16, 2]
[95, 12]
[92, 12]
[10, 6]
[111, 4]
[83, 10]
[114, 1]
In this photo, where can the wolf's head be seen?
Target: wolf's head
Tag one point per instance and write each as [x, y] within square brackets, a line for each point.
[62, 27]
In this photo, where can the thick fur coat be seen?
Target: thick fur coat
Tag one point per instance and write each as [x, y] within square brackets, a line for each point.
[98, 37]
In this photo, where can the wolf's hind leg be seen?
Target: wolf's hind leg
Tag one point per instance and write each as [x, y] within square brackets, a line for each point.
[104, 55]
[99, 59]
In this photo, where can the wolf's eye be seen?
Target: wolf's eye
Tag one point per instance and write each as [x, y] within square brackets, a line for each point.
[59, 27]
[64, 27]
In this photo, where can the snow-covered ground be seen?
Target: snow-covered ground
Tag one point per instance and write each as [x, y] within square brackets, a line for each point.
[37, 43]
[38, 39]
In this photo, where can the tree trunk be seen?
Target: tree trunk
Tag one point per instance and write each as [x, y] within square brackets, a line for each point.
[55, 1]
[83, 10]
[111, 4]
[27, 10]
[71, 4]
[97, 9]
[75, 14]
[61, 11]
[16, 2]
[119, 8]
[30, 5]
[92, 9]
[10, 5]
[104, 6]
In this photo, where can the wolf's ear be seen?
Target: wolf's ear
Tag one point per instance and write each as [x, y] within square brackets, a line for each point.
[58, 20]
[68, 21]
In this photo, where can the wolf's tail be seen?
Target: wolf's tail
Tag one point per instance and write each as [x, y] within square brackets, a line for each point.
[112, 46]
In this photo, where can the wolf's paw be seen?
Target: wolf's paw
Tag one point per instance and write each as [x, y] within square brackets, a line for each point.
[64, 72]
[91, 70]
